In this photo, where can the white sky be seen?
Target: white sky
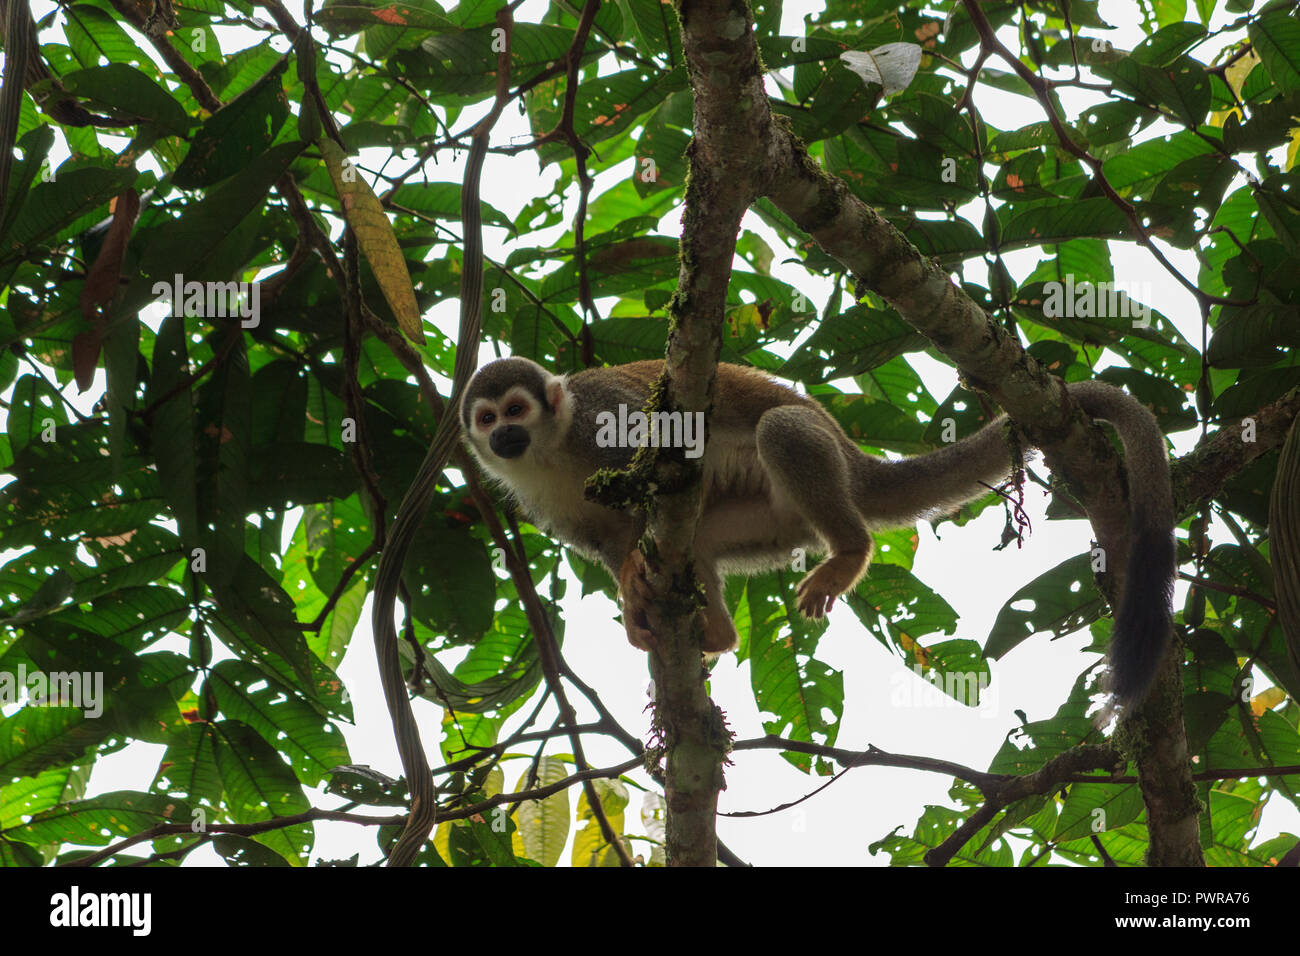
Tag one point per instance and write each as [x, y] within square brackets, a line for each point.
[836, 826]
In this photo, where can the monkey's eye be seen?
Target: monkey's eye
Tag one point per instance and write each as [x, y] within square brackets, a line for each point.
[487, 418]
[515, 409]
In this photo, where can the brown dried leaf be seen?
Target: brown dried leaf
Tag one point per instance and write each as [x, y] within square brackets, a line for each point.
[101, 284]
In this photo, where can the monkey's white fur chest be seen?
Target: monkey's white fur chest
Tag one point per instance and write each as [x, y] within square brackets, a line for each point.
[551, 494]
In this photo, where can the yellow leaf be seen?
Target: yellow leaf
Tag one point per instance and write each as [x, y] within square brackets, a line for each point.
[362, 210]
[589, 846]
[1267, 700]
[542, 826]
[751, 315]
[1235, 75]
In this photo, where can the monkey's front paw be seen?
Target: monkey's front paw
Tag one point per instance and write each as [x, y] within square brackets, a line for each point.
[817, 592]
[634, 595]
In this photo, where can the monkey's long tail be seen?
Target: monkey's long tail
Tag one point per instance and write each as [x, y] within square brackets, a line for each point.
[1143, 622]
[897, 492]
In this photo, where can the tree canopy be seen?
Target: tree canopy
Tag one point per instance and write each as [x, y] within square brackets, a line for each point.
[227, 218]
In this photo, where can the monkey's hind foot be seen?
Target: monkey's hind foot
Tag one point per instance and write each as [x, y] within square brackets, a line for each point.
[719, 632]
[838, 573]
[634, 595]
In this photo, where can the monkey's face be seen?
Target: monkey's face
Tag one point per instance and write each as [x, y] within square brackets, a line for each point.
[513, 414]
[504, 425]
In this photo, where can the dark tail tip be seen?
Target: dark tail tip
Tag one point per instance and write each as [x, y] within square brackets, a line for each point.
[1144, 620]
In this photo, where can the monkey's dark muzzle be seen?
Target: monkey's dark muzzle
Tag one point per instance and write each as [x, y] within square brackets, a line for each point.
[509, 441]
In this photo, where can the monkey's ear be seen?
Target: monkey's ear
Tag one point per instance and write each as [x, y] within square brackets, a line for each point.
[555, 394]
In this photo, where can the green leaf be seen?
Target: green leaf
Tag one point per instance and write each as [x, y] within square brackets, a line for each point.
[288, 723]
[656, 28]
[839, 100]
[349, 17]
[36, 414]
[463, 64]
[664, 146]
[125, 560]
[100, 820]
[69, 487]
[173, 431]
[1277, 203]
[935, 826]
[127, 90]
[900, 609]
[30, 795]
[452, 587]
[294, 473]
[608, 105]
[231, 137]
[223, 417]
[878, 424]
[480, 844]
[1070, 726]
[254, 602]
[241, 70]
[93, 34]
[35, 145]
[260, 786]
[132, 617]
[1057, 220]
[1095, 807]
[1137, 172]
[1062, 600]
[241, 851]
[442, 201]
[955, 668]
[67, 197]
[1232, 816]
[37, 738]
[1168, 43]
[1182, 87]
[1253, 335]
[183, 244]
[363, 784]
[616, 268]
[1167, 401]
[804, 696]
[851, 343]
[189, 765]
[337, 532]
[1276, 37]
[1104, 314]
[121, 350]
[496, 677]
[331, 642]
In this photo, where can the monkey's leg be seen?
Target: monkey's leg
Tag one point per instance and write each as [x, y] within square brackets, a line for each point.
[839, 573]
[634, 595]
[808, 470]
[719, 629]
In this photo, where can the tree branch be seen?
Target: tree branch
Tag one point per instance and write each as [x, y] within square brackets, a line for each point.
[728, 168]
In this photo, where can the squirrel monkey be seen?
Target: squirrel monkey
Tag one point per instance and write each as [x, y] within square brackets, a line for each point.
[778, 474]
